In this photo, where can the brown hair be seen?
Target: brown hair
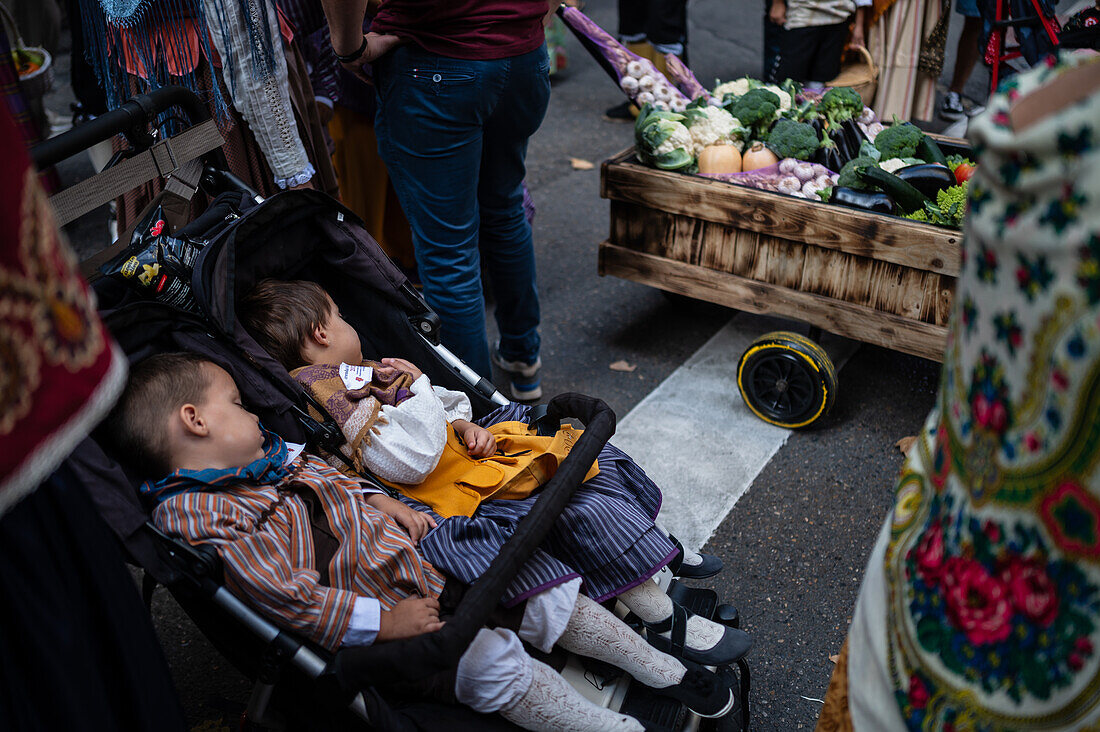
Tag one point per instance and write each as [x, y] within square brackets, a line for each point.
[157, 387]
[282, 316]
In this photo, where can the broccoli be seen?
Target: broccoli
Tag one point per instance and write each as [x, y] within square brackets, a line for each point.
[948, 210]
[952, 203]
[790, 139]
[900, 140]
[756, 109]
[840, 104]
[851, 174]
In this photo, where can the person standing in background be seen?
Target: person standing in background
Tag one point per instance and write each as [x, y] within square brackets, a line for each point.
[462, 85]
[651, 28]
[814, 35]
[966, 57]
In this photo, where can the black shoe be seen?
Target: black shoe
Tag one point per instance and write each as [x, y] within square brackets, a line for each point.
[710, 566]
[703, 692]
[620, 113]
[734, 644]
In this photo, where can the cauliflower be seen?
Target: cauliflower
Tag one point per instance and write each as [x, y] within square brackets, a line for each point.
[737, 87]
[784, 98]
[892, 165]
[679, 138]
[713, 126]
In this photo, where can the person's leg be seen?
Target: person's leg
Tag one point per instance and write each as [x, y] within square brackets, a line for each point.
[666, 27]
[797, 47]
[429, 126]
[829, 50]
[505, 234]
[966, 58]
[496, 675]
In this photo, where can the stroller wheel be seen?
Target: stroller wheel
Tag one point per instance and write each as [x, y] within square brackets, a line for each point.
[786, 379]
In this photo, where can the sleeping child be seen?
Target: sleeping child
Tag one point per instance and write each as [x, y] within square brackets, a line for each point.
[325, 555]
[477, 477]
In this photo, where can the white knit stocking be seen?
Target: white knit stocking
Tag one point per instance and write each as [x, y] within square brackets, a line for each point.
[550, 704]
[649, 603]
[594, 632]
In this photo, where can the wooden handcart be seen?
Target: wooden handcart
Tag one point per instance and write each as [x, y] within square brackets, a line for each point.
[874, 278]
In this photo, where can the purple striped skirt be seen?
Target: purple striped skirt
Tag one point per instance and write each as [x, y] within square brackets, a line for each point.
[605, 535]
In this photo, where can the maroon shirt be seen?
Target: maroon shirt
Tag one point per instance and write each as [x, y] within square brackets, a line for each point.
[469, 29]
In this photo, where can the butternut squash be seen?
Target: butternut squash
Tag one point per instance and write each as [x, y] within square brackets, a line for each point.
[719, 159]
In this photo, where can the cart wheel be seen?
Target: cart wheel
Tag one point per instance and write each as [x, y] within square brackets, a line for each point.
[786, 379]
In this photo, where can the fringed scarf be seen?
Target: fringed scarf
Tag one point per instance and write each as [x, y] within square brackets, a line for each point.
[162, 42]
[358, 410]
[271, 469]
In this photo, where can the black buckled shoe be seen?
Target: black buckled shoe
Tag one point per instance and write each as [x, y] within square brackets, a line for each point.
[704, 692]
[710, 566]
[734, 644]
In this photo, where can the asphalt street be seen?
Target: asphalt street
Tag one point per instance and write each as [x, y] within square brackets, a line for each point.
[796, 541]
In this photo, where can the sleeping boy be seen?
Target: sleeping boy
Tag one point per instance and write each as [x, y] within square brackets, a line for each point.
[326, 556]
[420, 439]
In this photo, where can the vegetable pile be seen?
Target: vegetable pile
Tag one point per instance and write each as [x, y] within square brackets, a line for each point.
[819, 146]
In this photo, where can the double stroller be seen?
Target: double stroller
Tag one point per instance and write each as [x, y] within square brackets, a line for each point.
[307, 235]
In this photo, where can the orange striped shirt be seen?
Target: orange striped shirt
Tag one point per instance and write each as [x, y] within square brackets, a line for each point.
[271, 566]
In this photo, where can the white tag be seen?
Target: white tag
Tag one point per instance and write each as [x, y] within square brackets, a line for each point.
[293, 450]
[355, 377]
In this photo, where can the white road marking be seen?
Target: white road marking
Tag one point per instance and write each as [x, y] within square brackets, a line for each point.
[695, 437]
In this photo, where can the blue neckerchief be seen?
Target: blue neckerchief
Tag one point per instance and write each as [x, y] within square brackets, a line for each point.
[268, 470]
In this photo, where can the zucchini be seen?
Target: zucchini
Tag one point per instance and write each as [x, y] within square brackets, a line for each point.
[928, 178]
[850, 197]
[928, 150]
[907, 197]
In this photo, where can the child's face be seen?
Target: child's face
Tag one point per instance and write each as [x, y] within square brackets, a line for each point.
[234, 438]
[344, 346]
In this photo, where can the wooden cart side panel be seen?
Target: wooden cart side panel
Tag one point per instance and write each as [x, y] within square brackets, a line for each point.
[847, 230]
[843, 318]
[837, 275]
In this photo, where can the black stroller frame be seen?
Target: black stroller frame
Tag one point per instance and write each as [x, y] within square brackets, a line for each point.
[321, 240]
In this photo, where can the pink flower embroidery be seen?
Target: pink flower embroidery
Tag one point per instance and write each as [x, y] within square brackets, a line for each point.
[1032, 591]
[977, 602]
[1032, 442]
[990, 414]
[992, 531]
[918, 694]
[930, 562]
[1059, 378]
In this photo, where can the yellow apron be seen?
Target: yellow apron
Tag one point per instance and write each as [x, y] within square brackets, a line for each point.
[524, 462]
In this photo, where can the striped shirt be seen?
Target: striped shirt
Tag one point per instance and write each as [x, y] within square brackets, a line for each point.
[271, 563]
[808, 13]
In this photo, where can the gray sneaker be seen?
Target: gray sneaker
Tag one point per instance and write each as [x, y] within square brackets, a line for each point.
[952, 107]
[526, 385]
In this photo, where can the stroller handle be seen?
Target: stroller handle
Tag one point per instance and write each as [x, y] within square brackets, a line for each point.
[133, 116]
[414, 658]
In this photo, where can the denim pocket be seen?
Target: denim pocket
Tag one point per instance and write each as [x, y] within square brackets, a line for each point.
[437, 81]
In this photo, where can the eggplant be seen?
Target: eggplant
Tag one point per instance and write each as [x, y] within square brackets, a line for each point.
[928, 178]
[907, 197]
[843, 144]
[828, 156]
[850, 197]
[854, 133]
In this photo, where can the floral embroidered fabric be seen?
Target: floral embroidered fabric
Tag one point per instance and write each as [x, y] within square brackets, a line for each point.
[990, 569]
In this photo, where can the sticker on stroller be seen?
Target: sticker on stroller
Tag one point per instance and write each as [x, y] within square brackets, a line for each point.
[355, 377]
[157, 264]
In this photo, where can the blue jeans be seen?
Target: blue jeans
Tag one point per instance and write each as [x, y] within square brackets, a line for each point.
[453, 134]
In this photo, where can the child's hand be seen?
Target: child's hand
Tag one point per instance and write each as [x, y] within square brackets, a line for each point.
[416, 523]
[401, 364]
[480, 442]
[409, 618]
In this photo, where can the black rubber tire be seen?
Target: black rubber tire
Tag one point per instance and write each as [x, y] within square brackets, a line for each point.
[786, 379]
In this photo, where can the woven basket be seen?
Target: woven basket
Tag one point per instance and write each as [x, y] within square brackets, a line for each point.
[36, 83]
[858, 70]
